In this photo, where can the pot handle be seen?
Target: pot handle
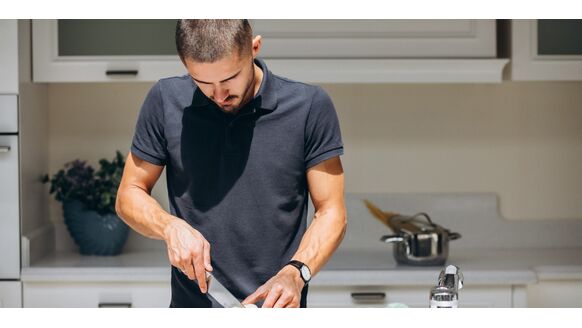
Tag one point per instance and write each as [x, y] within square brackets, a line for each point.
[454, 235]
[425, 215]
[392, 239]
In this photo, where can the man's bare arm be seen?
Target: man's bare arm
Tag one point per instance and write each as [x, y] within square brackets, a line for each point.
[326, 231]
[134, 203]
[188, 250]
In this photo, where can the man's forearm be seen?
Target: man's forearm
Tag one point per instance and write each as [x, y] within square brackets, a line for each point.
[142, 212]
[322, 238]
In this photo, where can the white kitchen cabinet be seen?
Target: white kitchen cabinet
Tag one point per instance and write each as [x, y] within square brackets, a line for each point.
[9, 208]
[94, 51]
[314, 51]
[96, 294]
[557, 286]
[412, 296]
[8, 114]
[555, 294]
[8, 56]
[10, 294]
[549, 50]
[453, 38]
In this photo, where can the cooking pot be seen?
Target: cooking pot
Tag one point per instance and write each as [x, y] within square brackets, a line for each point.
[419, 241]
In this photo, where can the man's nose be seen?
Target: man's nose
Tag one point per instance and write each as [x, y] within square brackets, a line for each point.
[220, 94]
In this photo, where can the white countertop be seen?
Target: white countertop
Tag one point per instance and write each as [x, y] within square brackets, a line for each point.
[347, 267]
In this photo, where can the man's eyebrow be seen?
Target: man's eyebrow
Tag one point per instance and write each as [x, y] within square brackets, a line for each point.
[232, 77]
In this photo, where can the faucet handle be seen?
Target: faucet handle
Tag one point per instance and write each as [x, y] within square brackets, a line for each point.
[454, 270]
[451, 277]
[445, 293]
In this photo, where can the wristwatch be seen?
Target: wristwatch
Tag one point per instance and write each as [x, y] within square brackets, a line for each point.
[304, 271]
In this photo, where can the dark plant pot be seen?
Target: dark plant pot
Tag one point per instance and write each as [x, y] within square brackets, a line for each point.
[95, 234]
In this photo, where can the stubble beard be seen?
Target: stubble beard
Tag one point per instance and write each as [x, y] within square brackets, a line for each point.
[247, 94]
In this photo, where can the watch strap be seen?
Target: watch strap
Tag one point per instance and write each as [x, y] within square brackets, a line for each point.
[299, 265]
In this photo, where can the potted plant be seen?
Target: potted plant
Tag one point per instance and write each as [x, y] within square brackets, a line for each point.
[88, 199]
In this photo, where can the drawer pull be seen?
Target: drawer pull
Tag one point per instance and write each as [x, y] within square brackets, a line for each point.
[114, 305]
[4, 149]
[374, 296]
[121, 72]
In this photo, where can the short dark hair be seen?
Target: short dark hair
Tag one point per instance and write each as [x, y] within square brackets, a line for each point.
[209, 40]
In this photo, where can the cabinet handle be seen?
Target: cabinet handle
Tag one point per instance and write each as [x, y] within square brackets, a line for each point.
[121, 72]
[373, 296]
[114, 305]
[4, 149]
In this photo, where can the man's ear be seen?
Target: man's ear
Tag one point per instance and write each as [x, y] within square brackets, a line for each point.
[257, 42]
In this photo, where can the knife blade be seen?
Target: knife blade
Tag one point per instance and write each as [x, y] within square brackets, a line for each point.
[220, 293]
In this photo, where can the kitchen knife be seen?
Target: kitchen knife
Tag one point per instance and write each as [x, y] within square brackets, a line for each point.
[220, 293]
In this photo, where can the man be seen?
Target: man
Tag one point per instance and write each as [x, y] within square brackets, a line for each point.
[242, 149]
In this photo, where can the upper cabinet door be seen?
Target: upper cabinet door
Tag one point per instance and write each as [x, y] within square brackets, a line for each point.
[104, 50]
[307, 50]
[8, 56]
[377, 38]
[111, 38]
[547, 50]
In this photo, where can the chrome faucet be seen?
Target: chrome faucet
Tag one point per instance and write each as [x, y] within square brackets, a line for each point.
[446, 293]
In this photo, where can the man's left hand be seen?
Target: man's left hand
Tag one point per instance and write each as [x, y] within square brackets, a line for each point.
[283, 290]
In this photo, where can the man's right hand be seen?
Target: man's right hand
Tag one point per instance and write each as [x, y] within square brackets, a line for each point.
[188, 251]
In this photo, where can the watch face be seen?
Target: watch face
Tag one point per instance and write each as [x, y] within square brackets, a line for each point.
[305, 273]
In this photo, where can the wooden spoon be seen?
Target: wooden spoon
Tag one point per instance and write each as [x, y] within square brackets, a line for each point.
[384, 217]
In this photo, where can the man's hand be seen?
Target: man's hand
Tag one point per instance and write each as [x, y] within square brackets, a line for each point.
[188, 251]
[283, 290]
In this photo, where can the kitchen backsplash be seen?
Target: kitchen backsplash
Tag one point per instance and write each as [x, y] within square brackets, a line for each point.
[474, 215]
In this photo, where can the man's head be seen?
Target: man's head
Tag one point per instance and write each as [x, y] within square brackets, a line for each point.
[218, 54]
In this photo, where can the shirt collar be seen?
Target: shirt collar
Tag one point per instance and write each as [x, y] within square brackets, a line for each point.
[266, 97]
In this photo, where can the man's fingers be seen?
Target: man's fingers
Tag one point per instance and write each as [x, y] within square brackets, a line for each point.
[188, 269]
[207, 256]
[284, 301]
[200, 273]
[254, 297]
[273, 296]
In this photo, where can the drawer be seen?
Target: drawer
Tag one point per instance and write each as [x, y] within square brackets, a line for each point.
[412, 296]
[366, 296]
[10, 294]
[8, 113]
[92, 295]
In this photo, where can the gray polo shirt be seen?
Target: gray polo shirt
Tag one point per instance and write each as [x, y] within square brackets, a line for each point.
[238, 179]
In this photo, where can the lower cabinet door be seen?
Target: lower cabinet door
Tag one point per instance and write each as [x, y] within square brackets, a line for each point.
[10, 294]
[409, 296]
[87, 294]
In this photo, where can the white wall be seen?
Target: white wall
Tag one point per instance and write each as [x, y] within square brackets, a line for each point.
[521, 140]
[34, 141]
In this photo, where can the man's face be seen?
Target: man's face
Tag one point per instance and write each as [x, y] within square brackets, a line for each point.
[229, 82]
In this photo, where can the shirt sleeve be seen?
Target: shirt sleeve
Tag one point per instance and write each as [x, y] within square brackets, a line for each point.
[322, 131]
[149, 142]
